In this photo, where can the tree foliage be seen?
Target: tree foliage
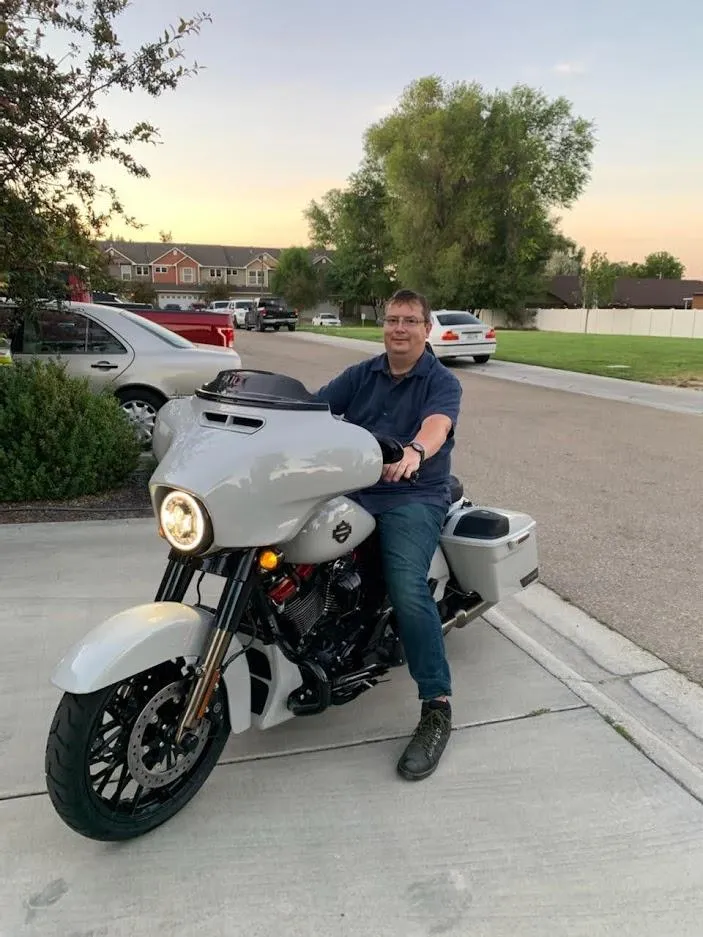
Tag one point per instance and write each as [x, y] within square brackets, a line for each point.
[353, 221]
[53, 136]
[663, 265]
[472, 179]
[144, 293]
[296, 280]
[215, 291]
[598, 278]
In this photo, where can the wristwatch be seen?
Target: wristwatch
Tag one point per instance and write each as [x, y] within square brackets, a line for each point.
[419, 448]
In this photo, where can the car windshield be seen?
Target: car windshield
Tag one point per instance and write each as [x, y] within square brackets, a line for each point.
[457, 318]
[166, 335]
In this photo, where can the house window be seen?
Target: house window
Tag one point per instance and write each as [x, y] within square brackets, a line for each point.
[215, 272]
[255, 277]
[187, 275]
[160, 269]
[231, 271]
[126, 271]
[141, 271]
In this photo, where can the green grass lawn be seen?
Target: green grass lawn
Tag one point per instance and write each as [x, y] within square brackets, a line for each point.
[633, 357]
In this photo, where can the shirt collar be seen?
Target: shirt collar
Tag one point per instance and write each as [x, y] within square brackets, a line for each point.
[421, 368]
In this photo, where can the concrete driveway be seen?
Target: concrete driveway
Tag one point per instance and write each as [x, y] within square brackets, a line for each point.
[541, 819]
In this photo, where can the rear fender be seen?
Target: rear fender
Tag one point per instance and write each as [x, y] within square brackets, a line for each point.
[142, 637]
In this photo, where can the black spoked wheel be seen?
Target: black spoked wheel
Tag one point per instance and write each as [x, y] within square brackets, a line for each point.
[113, 769]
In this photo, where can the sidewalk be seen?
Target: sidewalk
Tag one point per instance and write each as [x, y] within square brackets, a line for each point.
[542, 818]
[675, 399]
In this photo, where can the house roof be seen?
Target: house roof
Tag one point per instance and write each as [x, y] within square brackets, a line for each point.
[631, 292]
[207, 255]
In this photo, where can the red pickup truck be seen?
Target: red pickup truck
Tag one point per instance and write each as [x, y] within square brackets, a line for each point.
[204, 328]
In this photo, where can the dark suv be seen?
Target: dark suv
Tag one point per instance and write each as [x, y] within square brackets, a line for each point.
[270, 312]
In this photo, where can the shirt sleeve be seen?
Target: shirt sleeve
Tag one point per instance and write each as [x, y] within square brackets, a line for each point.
[444, 398]
[339, 392]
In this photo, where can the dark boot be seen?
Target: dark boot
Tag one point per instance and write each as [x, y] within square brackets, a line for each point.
[429, 740]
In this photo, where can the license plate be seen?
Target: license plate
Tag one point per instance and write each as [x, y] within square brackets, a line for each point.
[470, 334]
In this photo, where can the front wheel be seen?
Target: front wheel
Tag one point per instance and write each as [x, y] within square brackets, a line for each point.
[291, 328]
[481, 359]
[113, 769]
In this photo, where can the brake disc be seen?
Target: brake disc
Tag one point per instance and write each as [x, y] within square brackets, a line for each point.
[153, 757]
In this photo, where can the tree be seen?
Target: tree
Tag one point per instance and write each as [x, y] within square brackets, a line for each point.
[216, 291]
[295, 278]
[144, 293]
[472, 179]
[662, 265]
[353, 222]
[58, 60]
[598, 279]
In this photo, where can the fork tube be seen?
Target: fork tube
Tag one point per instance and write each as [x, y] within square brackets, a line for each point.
[232, 605]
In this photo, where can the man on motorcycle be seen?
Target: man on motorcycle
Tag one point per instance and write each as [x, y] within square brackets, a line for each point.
[407, 393]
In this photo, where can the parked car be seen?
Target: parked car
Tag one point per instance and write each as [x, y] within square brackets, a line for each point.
[210, 327]
[173, 307]
[457, 334]
[327, 319]
[141, 362]
[240, 307]
[270, 312]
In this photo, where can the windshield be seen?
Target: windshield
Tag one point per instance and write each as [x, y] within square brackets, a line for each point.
[166, 335]
[261, 389]
[457, 318]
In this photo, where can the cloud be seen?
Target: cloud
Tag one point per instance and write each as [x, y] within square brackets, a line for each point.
[569, 68]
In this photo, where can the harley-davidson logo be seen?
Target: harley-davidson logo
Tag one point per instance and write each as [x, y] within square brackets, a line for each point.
[342, 532]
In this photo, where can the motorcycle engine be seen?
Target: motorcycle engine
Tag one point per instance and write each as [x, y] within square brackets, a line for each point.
[310, 597]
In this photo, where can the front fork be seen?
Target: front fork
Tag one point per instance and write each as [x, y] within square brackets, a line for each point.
[240, 570]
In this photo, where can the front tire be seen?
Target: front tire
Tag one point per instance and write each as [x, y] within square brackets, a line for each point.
[291, 328]
[482, 359]
[122, 730]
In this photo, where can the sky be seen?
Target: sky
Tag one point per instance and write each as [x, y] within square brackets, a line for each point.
[278, 115]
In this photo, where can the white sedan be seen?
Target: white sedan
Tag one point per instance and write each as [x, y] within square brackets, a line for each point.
[457, 334]
[327, 319]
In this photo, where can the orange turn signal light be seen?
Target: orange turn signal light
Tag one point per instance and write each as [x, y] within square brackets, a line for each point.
[270, 560]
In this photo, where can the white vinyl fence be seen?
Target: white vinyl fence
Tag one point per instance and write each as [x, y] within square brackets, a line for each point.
[665, 323]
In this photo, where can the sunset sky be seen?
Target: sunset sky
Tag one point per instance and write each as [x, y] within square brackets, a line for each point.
[278, 116]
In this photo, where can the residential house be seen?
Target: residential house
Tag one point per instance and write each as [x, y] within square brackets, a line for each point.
[564, 292]
[181, 273]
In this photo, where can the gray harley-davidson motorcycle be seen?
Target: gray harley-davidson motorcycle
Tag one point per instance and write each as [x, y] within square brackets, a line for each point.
[252, 486]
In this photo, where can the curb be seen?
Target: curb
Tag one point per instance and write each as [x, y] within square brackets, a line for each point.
[654, 707]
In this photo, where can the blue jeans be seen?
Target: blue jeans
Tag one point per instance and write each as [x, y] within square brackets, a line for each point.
[408, 537]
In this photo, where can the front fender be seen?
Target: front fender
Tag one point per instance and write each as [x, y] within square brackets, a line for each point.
[142, 637]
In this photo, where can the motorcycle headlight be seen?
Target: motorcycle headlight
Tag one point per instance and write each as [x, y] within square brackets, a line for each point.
[184, 522]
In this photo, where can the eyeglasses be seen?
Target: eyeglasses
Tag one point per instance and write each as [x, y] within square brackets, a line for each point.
[392, 322]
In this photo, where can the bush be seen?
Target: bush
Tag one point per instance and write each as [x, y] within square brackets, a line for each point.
[58, 439]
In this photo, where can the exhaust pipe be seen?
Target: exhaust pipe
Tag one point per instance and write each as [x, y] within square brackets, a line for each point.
[465, 615]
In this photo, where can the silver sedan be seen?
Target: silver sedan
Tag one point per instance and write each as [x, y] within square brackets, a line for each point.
[143, 363]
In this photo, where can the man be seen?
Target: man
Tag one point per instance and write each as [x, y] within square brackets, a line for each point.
[407, 393]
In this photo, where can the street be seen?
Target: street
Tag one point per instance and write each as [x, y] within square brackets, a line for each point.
[615, 489]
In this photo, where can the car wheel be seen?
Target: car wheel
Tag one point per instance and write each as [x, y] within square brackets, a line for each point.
[481, 359]
[141, 407]
[276, 328]
[291, 328]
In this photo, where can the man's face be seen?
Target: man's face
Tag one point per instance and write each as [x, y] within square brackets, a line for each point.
[404, 330]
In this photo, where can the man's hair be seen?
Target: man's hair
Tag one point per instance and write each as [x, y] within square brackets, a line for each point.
[410, 297]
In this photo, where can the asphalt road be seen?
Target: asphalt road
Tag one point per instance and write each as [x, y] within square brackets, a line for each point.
[616, 489]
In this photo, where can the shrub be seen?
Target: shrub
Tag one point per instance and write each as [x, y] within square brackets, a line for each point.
[59, 439]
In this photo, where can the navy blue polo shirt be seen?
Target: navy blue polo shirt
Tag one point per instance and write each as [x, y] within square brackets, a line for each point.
[368, 395]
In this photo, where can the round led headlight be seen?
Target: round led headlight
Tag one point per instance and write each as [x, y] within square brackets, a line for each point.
[183, 521]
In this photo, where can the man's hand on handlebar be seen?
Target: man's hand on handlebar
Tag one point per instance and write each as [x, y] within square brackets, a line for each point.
[406, 468]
